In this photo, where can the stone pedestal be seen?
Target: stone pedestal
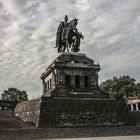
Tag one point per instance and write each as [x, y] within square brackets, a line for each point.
[73, 72]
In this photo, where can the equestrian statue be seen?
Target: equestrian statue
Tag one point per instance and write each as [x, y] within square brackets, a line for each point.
[67, 36]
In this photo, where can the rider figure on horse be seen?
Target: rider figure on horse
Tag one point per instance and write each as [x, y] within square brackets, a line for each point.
[65, 27]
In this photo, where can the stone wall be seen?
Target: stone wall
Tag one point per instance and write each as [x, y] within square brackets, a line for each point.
[135, 117]
[28, 111]
[66, 112]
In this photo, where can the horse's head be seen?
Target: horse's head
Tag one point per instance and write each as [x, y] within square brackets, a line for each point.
[76, 21]
[73, 23]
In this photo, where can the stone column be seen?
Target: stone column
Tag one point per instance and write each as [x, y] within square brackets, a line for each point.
[72, 81]
[48, 84]
[60, 79]
[82, 85]
[137, 108]
[92, 82]
[54, 80]
[132, 107]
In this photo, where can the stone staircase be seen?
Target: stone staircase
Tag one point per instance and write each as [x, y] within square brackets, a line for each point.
[9, 121]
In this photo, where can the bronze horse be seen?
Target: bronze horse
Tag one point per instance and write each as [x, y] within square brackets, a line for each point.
[68, 37]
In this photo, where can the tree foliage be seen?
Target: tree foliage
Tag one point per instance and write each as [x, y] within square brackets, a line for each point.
[14, 94]
[124, 86]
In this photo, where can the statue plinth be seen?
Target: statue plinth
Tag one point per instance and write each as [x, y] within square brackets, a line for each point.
[71, 72]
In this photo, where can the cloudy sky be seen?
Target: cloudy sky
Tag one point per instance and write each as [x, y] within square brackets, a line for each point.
[27, 38]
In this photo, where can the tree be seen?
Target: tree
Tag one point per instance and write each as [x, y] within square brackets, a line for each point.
[124, 86]
[14, 94]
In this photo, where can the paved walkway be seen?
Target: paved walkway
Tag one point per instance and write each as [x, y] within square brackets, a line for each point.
[102, 138]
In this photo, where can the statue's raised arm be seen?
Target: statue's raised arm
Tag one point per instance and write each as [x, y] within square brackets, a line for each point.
[68, 36]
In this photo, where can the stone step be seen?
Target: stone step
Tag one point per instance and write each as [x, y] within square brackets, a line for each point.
[8, 120]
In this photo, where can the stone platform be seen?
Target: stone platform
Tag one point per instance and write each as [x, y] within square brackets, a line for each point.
[69, 133]
[14, 129]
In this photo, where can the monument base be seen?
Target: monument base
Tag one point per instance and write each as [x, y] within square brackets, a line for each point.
[72, 97]
[71, 112]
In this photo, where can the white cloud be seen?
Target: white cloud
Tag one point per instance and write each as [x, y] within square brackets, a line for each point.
[28, 29]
